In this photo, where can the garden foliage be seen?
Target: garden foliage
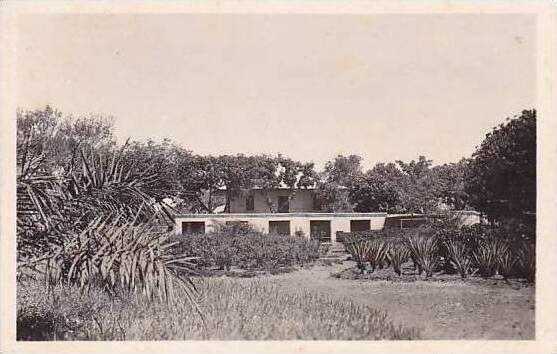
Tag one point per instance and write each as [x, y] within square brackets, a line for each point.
[251, 309]
[244, 247]
[442, 246]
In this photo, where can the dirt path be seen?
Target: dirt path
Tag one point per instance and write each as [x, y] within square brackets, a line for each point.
[442, 310]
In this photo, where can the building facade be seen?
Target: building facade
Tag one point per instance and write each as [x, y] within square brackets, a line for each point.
[298, 212]
[407, 221]
[279, 200]
[282, 211]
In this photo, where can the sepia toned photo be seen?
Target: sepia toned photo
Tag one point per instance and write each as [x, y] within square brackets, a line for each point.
[274, 176]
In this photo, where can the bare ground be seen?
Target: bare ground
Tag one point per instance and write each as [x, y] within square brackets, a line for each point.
[445, 308]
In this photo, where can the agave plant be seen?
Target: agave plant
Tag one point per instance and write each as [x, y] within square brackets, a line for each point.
[424, 250]
[116, 256]
[351, 238]
[506, 263]
[52, 205]
[377, 253]
[359, 251]
[112, 184]
[398, 254]
[527, 260]
[486, 257]
[459, 256]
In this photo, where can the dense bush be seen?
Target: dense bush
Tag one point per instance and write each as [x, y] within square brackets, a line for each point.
[246, 248]
[495, 248]
[392, 234]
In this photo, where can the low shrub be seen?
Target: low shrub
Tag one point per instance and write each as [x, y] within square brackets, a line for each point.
[506, 263]
[246, 248]
[116, 256]
[389, 234]
[459, 256]
[232, 309]
[527, 261]
[378, 253]
[441, 245]
[359, 250]
[424, 251]
[486, 257]
[399, 253]
[323, 248]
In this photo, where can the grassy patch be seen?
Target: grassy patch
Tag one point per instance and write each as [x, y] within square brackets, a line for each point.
[233, 309]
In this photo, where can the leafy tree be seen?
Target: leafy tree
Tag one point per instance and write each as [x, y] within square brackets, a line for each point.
[36, 134]
[343, 170]
[417, 186]
[378, 190]
[333, 198]
[158, 160]
[450, 184]
[294, 175]
[501, 178]
[413, 187]
[49, 143]
[200, 177]
[335, 181]
[238, 175]
[308, 176]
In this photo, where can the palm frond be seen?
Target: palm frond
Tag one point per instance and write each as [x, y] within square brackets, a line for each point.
[116, 257]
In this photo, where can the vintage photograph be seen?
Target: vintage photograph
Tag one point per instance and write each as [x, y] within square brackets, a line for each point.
[275, 176]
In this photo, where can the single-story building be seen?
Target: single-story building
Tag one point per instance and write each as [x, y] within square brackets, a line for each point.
[405, 221]
[322, 226]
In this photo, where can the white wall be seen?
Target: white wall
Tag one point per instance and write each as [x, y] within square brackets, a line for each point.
[339, 221]
[468, 218]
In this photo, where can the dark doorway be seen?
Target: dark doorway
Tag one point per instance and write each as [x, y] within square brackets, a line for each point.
[193, 227]
[279, 227]
[359, 225]
[320, 230]
[283, 204]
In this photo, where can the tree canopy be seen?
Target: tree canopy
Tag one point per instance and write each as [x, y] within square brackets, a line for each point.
[410, 187]
[498, 179]
[501, 176]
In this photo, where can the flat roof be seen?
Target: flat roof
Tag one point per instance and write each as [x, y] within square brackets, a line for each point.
[416, 215]
[275, 215]
[281, 188]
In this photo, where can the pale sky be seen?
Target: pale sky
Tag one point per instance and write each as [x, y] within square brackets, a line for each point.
[385, 87]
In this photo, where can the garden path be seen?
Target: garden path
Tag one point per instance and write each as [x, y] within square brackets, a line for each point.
[450, 309]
